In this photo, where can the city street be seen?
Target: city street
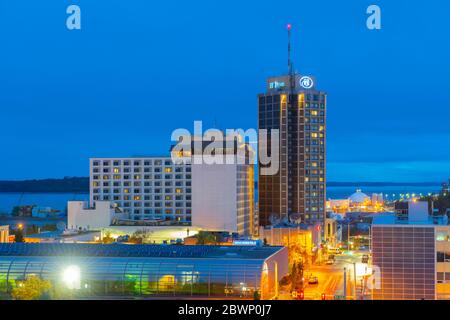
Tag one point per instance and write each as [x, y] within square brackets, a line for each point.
[331, 279]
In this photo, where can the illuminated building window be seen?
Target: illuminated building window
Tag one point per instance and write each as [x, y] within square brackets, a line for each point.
[178, 190]
[137, 198]
[166, 283]
[116, 170]
[168, 170]
[126, 190]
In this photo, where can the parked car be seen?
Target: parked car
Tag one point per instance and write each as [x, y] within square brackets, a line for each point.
[330, 262]
[313, 280]
[335, 251]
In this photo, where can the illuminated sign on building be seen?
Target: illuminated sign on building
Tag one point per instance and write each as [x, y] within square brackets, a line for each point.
[276, 85]
[306, 82]
[256, 243]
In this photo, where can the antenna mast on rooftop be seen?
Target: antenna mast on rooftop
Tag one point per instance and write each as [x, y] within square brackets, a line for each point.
[290, 64]
[289, 27]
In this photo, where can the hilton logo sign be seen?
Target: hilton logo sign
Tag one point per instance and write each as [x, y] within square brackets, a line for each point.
[276, 85]
[281, 83]
[306, 82]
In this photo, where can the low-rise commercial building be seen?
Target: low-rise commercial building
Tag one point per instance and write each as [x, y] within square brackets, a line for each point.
[96, 271]
[412, 255]
[303, 241]
[4, 234]
[64, 237]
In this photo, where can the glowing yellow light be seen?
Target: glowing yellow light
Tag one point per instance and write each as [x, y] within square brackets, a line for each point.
[71, 277]
[166, 282]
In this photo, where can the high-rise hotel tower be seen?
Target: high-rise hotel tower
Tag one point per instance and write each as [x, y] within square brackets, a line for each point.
[294, 106]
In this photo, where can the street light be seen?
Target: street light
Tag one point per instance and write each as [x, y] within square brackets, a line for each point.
[71, 277]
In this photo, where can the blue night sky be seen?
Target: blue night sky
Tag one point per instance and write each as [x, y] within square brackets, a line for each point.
[140, 69]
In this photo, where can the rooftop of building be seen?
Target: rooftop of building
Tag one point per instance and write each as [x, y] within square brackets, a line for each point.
[392, 219]
[136, 157]
[358, 197]
[139, 251]
[58, 234]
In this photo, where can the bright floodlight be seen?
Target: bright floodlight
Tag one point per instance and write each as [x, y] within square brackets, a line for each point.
[72, 276]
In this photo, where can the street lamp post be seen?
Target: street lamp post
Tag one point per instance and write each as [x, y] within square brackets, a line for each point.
[345, 283]
[348, 236]
[354, 277]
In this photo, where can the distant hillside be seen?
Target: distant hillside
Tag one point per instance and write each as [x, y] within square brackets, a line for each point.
[81, 185]
[68, 184]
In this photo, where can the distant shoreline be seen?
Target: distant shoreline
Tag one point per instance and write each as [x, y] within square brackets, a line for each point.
[65, 185]
[80, 185]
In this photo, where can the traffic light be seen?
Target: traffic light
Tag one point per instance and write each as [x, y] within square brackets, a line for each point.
[323, 296]
[301, 295]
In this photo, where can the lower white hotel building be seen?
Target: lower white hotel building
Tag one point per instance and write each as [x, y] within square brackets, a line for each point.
[155, 194]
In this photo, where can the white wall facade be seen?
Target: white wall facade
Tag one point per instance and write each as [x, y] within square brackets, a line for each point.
[80, 215]
[223, 197]
[214, 197]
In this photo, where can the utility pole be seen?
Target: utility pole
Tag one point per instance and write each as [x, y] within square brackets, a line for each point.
[354, 275]
[345, 283]
[348, 236]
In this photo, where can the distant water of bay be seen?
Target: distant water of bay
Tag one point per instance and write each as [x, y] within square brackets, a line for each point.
[56, 201]
[59, 201]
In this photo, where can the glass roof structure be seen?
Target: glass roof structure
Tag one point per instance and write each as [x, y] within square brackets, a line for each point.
[145, 270]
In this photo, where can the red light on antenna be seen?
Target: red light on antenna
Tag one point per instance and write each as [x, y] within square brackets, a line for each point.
[289, 26]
